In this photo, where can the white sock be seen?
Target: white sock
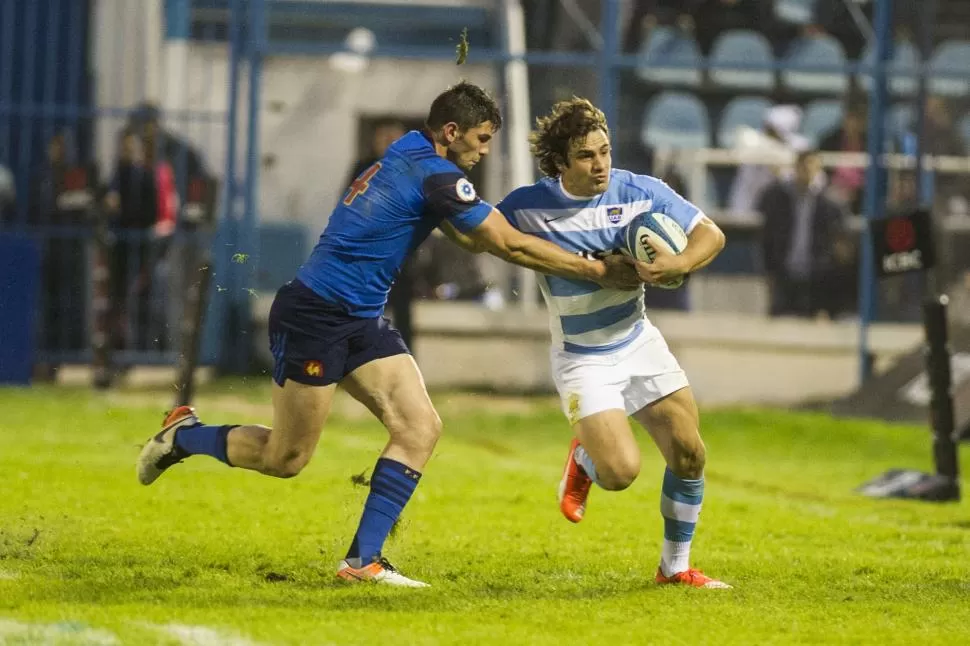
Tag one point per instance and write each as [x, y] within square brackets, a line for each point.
[581, 457]
[674, 558]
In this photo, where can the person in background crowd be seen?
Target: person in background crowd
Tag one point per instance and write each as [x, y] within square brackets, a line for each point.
[131, 204]
[769, 151]
[802, 232]
[60, 197]
[851, 137]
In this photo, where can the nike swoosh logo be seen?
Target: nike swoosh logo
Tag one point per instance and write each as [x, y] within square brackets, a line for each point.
[554, 219]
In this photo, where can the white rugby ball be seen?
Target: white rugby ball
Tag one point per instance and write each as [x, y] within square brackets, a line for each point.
[648, 231]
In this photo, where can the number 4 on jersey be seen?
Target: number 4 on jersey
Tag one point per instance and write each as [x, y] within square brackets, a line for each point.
[361, 184]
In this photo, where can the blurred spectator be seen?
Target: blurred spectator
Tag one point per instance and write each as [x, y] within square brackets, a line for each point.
[851, 137]
[942, 137]
[160, 144]
[386, 132]
[61, 194]
[764, 154]
[132, 205]
[802, 242]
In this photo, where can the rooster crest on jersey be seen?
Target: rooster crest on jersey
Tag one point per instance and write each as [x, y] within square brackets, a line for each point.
[648, 231]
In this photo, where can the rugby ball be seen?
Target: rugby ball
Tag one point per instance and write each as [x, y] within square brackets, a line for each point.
[661, 232]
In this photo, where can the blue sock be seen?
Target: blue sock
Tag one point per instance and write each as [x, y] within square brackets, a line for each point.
[680, 504]
[204, 440]
[391, 487]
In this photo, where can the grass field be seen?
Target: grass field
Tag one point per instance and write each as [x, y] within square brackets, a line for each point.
[213, 556]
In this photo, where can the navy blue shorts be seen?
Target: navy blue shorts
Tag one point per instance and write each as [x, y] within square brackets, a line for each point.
[315, 342]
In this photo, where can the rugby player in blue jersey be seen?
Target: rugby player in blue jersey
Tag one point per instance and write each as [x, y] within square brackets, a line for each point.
[327, 327]
[608, 361]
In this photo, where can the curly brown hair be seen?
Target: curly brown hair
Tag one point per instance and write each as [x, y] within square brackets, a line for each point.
[554, 134]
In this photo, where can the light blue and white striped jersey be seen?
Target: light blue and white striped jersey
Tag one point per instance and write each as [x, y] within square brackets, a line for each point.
[584, 317]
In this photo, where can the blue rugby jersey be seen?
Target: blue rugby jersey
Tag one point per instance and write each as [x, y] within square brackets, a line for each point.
[584, 317]
[388, 211]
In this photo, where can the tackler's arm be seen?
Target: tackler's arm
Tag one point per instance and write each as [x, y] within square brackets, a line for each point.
[460, 239]
[501, 239]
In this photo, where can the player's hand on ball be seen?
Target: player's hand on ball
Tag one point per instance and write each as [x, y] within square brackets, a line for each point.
[666, 267]
[621, 273]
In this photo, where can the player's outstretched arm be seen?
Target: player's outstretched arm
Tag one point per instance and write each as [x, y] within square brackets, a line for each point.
[496, 236]
[459, 238]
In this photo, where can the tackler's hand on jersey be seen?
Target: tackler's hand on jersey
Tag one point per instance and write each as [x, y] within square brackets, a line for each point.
[621, 273]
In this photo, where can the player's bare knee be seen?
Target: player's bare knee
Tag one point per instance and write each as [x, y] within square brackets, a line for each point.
[419, 433]
[689, 459]
[619, 474]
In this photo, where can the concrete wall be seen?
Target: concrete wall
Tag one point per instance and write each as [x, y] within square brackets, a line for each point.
[310, 105]
[729, 358]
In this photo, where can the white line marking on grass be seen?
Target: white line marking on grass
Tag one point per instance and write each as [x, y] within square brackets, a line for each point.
[66, 632]
[202, 636]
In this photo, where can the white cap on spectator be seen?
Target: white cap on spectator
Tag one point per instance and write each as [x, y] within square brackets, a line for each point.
[784, 119]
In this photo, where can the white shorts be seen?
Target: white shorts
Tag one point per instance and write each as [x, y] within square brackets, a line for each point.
[629, 379]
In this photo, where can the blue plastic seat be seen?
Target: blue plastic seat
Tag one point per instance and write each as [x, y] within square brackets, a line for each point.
[808, 54]
[670, 57]
[677, 120]
[821, 118]
[952, 58]
[743, 111]
[739, 48]
[902, 69]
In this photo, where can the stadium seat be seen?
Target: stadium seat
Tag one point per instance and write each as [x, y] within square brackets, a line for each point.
[742, 111]
[821, 118]
[796, 12]
[808, 54]
[676, 119]
[665, 47]
[902, 69]
[952, 58]
[737, 48]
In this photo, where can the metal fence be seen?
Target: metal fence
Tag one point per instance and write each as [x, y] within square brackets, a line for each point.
[116, 138]
[124, 147]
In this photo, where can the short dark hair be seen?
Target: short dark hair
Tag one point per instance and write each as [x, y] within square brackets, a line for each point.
[465, 104]
[568, 120]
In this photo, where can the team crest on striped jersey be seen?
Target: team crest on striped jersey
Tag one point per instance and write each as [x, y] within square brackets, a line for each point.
[615, 214]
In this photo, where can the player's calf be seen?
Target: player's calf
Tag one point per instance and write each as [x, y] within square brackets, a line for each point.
[285, 464]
